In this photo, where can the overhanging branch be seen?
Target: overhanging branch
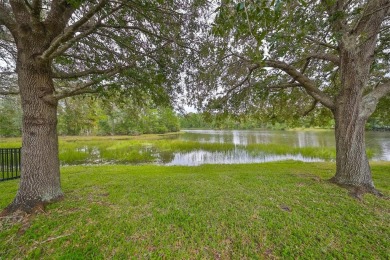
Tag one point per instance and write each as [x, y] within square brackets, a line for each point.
[370, 101]
[321, 43]
[9, 93]
[82, 88]
[71, 30]
[296, 75]
[326, 56]
[306, 82]
[7, 73]
[374, 10]
[78, 74]
[311, 108]
[380, 90]
[78, 89]
[242, 82]
[6, 19]
[84, 32]
[285, 85]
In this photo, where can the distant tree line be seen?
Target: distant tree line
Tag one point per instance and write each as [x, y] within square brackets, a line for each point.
[10, 116]
[91, 116]
[252, 121]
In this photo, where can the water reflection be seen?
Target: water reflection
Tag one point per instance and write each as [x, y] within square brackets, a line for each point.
[246, 137]
[199, 157]
[378, 142]
[239, 152]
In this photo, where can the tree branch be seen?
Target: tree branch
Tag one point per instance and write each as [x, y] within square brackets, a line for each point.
[370, 101]
[285, 85]
[327, 45]
[20, 11]
[36, 8]
[334, 8]
[79, 90]
[84, 32]
[72, 75]
[306, 82]
[6, 19]
[71, 30]
[242, 82]
[7, 73]
[8, 93]
[149, 32]
[381, 90]
[58, 16]
[84, 87]
[327, 57]
[370, 14]
[311, 108]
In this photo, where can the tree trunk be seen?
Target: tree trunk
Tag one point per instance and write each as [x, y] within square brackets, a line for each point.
[350, 113]
[352, 166]
[40, 173]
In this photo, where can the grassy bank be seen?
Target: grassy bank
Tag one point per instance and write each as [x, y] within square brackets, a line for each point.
[254, 211]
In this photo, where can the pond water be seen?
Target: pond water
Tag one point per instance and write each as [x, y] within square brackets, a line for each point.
[196, 147]
[378, 142]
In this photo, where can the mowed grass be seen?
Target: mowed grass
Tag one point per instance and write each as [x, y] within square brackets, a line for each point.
[283, 210]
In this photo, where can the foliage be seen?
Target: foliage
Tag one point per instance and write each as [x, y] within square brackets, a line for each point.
[136, 48]
[10, 116]
[273, 210]
[227, 120]
[381, 117]
[91, 116]
[260, 56]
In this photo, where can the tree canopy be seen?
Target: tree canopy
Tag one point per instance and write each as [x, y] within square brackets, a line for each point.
[135, 47]
[283, 56]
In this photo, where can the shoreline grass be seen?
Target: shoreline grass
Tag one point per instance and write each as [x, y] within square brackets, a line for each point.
[149, 148]
[250, 211]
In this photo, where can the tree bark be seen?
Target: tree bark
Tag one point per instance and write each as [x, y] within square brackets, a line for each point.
[40, 172]
[351, 114]
[352, 166]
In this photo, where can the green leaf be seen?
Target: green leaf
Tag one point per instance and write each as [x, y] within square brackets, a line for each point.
[303, 3]
[75, 3]
[240, 6]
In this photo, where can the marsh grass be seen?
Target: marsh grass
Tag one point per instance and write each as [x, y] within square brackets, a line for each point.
[151, 148]
[146, 150]
[187, 146]
[283, 210]
[327, 153]
[12, 142]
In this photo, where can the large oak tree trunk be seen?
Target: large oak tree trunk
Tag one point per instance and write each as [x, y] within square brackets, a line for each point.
[40, 173]
[350, 113]
[352, 166]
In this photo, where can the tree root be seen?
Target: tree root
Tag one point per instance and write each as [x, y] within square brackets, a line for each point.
[357, 191]
[27, 207]
[17, 210]
[22, 213]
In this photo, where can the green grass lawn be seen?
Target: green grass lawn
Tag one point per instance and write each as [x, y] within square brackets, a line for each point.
[254, 211]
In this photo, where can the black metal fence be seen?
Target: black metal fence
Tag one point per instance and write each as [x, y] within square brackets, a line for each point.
[9, 163]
